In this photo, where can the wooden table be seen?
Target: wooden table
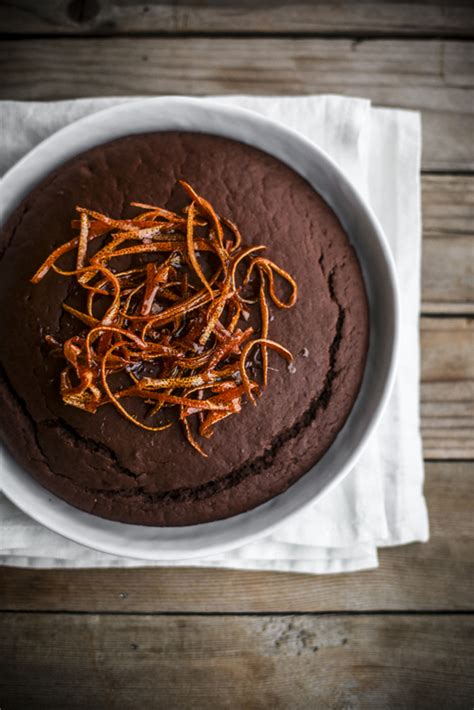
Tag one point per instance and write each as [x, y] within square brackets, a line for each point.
[398, 637]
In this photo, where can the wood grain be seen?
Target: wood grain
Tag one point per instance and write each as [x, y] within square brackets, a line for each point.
[447, 205]
[243, 16]
[435, 576]
[448, 243]
[447, 390]
[447, 387]
[69, 662]
[433, 76]
[447, 349]
[447, 416]
[448, 274]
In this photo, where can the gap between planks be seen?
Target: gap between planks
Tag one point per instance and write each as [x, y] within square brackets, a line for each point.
[244, 614]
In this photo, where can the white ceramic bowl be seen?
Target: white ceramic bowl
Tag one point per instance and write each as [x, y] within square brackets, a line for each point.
[365, 233]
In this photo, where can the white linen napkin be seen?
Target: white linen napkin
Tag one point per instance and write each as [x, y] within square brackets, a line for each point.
[381, 502]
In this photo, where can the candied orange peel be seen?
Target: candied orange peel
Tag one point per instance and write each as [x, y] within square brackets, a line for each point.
[168, 331]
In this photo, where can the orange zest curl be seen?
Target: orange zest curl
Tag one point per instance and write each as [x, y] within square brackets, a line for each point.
[170, 333]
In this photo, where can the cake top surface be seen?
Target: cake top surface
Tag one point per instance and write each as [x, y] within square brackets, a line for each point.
[102, 461]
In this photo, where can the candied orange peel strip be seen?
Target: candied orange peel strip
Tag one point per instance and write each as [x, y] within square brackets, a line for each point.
[169, 334]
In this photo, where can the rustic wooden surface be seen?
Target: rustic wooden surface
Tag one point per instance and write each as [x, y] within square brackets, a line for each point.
[243, 662]
[397, 637]
[109, 17]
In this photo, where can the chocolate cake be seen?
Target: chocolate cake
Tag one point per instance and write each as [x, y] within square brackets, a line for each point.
[101, 462]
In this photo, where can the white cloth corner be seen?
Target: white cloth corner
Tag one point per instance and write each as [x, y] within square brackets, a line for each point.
[380, 503]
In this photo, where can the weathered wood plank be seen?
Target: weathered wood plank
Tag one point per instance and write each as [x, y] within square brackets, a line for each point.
[447, 419]
[446, 345]
[447, 389]
[236, 662]
[448, 274]
[447, 205]
[421, 75]
[438, 575]
[448, 244]
[447, 394]
[243, 16]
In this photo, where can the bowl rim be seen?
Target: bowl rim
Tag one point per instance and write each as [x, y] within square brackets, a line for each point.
[39, 503]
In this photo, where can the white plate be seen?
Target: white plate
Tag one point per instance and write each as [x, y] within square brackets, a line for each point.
[365, 233]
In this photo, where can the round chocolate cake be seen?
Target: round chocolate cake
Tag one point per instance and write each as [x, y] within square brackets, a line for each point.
[100, 462]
